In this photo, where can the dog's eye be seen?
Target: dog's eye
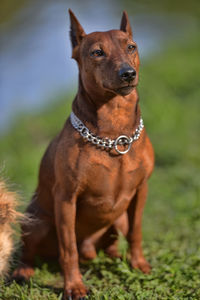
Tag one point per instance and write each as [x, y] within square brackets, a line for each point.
[131, 48]
[97, 53]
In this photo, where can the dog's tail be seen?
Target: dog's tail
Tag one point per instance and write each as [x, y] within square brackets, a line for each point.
[8, 215]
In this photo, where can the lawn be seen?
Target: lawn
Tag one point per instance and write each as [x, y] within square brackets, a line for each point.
[170, 99]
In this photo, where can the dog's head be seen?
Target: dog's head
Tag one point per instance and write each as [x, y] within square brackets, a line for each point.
[107, 60]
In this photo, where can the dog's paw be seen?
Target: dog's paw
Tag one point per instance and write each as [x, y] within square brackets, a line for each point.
[141, 264]
[22, 274]
[75, 291]
[87, 251]
[112, 251]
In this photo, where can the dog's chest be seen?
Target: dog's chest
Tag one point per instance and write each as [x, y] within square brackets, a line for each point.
[110, 184]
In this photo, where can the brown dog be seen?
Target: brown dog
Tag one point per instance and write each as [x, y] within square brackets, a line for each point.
[90, 188]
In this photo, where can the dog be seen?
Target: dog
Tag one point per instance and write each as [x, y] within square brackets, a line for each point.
[93, 176]
[8, 216]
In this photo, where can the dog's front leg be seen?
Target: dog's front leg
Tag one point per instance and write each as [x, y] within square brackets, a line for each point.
[65, 213]
[135, 212]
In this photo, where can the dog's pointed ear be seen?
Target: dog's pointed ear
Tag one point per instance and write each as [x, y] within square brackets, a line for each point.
[125, 24]
[76, 30]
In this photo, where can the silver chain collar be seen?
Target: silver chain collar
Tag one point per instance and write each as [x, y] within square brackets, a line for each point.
[106, 143]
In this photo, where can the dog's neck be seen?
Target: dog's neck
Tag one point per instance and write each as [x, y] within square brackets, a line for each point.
[107, 115]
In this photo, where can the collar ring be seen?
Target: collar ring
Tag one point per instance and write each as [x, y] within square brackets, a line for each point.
[122, 140]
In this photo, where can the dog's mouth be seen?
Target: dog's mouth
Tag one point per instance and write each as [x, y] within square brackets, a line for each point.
[125, 90]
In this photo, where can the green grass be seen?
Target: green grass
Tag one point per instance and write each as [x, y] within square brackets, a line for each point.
[170, 95]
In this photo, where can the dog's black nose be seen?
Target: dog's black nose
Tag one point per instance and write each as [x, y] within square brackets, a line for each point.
[127, 74]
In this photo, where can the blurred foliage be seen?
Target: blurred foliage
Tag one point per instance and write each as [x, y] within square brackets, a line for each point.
[169, 96]
[170, 93]
[8, 8]
[190, 8]
[21, 150]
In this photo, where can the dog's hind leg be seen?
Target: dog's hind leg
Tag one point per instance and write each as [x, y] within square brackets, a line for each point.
[105, 238]
[120, 225]
[109, 240]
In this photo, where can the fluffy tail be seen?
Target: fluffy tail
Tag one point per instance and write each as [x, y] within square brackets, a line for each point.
[8, 215]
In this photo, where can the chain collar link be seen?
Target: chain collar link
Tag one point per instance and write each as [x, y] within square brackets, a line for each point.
[106, 143]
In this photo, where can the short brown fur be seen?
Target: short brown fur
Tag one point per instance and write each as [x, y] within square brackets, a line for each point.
[85, 195]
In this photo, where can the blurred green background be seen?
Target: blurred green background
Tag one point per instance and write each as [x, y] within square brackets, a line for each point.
[168, 35]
